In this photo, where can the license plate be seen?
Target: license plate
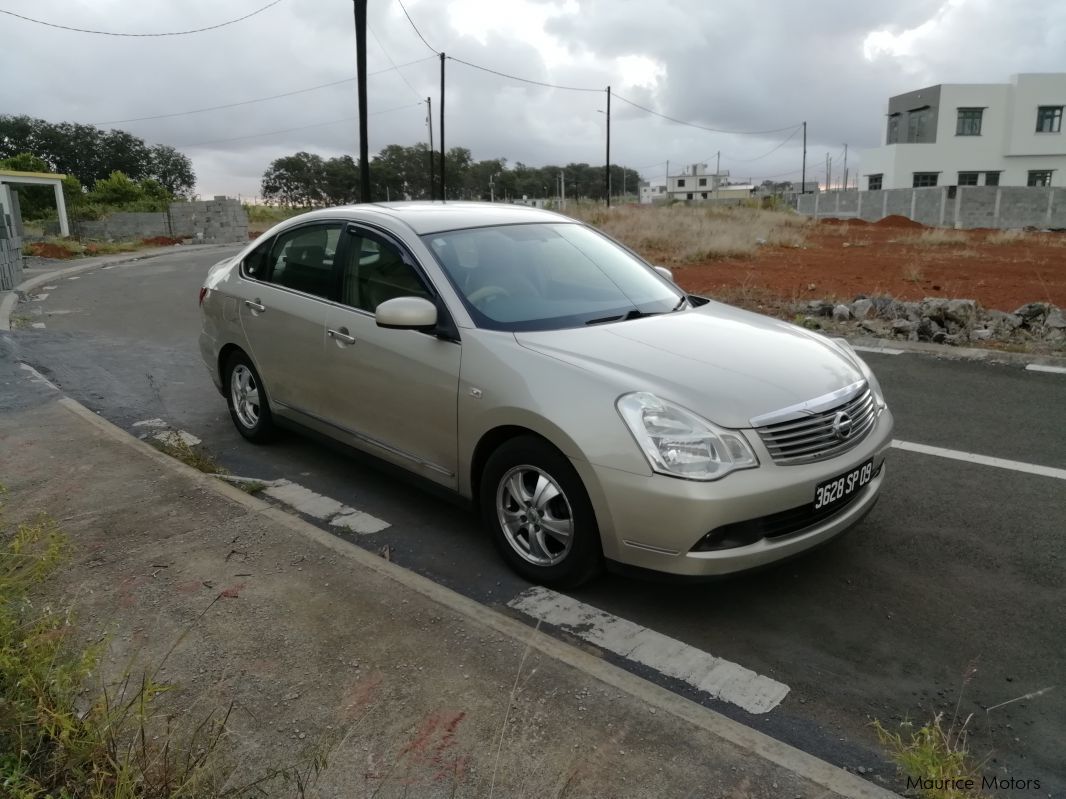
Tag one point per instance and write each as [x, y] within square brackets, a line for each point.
[839, 489]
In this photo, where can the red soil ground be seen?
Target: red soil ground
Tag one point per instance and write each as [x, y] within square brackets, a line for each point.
[843, 259]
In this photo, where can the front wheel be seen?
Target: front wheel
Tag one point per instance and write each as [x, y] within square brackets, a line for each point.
[247, 399]
[538, 512]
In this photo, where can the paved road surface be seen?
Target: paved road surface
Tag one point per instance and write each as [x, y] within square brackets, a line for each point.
[959, 563]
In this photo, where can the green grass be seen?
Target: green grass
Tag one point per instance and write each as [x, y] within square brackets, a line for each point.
[196, 457]
[935, 761]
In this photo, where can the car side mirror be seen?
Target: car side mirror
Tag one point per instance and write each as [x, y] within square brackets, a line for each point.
[662, 270]
[406, 313]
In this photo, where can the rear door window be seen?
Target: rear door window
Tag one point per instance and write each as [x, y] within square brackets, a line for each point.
[302, 259]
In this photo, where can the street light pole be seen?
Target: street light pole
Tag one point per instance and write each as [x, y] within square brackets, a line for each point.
[360, 65]
[607, 175]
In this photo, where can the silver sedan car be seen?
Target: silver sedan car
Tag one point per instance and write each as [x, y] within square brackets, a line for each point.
[592, 411]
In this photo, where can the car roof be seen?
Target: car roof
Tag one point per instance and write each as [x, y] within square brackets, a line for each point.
[435, 217]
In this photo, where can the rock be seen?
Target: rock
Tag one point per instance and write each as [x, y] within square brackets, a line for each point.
[1055, 319]
[962, 312]
[861, 308]
[1004, 320]
[1032, 310]
[874, 327]
[820, 308]
[884, 306]
[938, 337]
[903, 327]
[811, 323]
[927, 328]
[953, 340]
[841, 313]
[982, 334]
[933, 308]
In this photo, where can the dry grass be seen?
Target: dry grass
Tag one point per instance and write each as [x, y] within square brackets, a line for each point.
[190, 455]
[913, 273]
[680, 234]
[1001, 237]
[936, 237]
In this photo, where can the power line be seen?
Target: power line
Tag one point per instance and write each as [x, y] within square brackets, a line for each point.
[301, 127]
[774, 150]
[420, 36]
[389, 57]
[702, 127]
[140, 35]
[258, 99]
[526, 80]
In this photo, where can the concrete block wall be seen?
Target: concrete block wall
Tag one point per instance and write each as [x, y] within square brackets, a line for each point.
[10, 256]
[220, 220]
[963, 207]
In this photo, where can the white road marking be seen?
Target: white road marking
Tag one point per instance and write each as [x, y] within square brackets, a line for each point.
[177, 437]
[878, 350]
[37, 377]
[150, 423]
[720, 678]
[983, 460]
[76, 277]
[37, 325]
[318, 506]
[49, 288]
[40, 297]
[1039, 367]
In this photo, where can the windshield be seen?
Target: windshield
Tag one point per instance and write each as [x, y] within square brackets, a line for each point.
[549, 276]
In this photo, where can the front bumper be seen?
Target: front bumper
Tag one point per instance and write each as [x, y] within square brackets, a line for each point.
[653, 521]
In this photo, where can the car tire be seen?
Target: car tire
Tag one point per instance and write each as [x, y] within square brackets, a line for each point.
[530, 495]
[249, 406]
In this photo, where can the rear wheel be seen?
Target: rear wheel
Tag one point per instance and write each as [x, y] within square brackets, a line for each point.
[538, 512]
[247, 399]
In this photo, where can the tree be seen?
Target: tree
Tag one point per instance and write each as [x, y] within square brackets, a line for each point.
[117, 189]
[295, 180]
[172, 170]
[340, 184]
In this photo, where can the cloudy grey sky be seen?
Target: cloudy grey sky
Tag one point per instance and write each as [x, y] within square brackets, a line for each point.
[736, 65]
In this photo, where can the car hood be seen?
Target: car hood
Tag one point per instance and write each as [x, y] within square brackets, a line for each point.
[723, 363]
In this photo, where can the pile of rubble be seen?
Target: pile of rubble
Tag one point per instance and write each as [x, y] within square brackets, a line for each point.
[941, 321]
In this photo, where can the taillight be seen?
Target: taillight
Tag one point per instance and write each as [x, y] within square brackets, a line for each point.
[203, 293]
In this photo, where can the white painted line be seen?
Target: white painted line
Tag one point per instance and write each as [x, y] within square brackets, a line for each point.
[150, 423]
[1038, 367]
[983, 460]
[306, 501]
[37, 377]
[878, 350]
[720, 678]
[177, 437]
[38, 325]
[40, 297]
[49, 288]
[76, 277]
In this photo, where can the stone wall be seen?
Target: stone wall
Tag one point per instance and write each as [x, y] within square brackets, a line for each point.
[10, 256]
[947, 206]
[221, 220]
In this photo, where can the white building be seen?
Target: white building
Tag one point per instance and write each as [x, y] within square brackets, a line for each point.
[650, 191]
[694, 183]
[981, 134]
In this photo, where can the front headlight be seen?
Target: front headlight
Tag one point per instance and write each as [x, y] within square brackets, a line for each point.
[679, 443]
[867, 372]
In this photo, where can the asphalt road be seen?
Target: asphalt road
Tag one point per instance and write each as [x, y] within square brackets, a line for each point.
[959, 564]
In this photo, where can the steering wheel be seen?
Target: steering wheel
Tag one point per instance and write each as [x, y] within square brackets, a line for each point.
[487, 294]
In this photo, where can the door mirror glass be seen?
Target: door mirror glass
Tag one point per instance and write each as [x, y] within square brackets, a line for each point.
[407, 313]
[662, 270]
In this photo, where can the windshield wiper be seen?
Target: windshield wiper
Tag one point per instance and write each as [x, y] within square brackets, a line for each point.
[636, 313]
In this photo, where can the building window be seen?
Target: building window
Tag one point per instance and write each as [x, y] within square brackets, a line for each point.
[704, 195]
[969, 123]
[688, 196]
[922, 179]
[1049, 119]
[1039, 177]
[918, 122]
[968, 178]
[873, 182]
[893, 129]
[991, 178]
[703, 181]
[681, 183]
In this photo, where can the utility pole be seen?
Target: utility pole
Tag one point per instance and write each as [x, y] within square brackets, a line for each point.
[717, 172]
[845, 166]
[443, 192]
[803, 176]
[828, 172]
[668, 179]
[607, 174]
[360, 67]
[562, 189]
[492, 193]
[429, 124]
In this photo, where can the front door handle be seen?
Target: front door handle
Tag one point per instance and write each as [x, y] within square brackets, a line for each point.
[341, 336]
[255, 305]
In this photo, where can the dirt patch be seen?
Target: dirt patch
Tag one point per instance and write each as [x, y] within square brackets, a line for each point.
[161, 241]
[45, 249]
[896, 221]
[841, 262]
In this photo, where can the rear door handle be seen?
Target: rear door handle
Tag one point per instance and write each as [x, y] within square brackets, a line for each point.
[255, 306]
[340, 335]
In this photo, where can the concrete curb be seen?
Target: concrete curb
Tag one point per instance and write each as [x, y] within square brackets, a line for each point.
[959, 353]
[10, 298]
[800, 763]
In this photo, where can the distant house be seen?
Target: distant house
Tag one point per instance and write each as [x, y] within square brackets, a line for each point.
[960, 134]
[652, 191]
[695, 183]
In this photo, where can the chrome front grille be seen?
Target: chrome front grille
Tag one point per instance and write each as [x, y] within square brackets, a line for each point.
[821, 435]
